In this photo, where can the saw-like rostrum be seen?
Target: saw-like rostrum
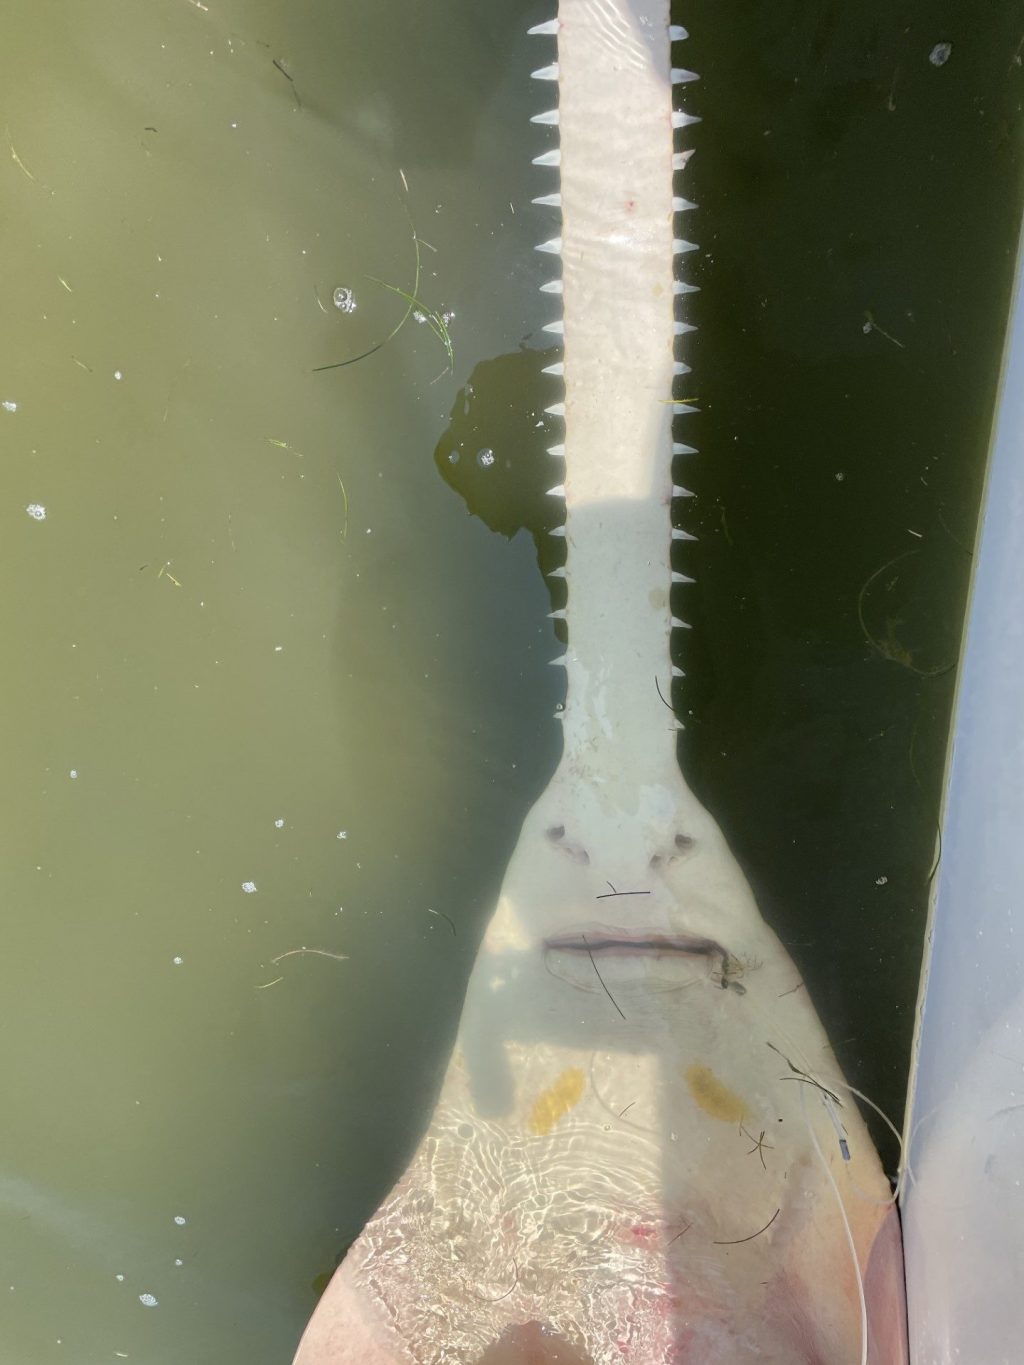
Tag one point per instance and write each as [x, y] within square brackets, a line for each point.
[643, 1149]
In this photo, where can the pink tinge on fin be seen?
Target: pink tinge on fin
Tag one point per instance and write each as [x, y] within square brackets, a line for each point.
[886, 1297]
[532, 1344]
[805, 1314]
[347, 1329]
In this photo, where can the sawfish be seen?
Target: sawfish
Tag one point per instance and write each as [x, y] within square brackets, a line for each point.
[643, 1150]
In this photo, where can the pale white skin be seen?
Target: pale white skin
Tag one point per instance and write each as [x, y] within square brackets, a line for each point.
[637, 1152]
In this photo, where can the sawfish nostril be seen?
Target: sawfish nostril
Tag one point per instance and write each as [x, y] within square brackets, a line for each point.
[684, 843]
[556, 834]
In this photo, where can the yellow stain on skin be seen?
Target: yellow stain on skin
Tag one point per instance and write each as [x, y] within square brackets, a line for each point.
[713, 1096]
[555, 1102]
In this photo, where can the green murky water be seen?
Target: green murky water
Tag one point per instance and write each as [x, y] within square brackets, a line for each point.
[255, 597]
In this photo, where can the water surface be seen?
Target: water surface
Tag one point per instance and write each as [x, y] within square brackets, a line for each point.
[257, 639]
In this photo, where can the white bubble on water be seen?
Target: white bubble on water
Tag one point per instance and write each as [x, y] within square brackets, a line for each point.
[344, 299]
[249, 888]
[177, 961]
[150, 1300]
[940, 54]
[8, 406]
[342, 833]
[36, 511]
[180, 1220]
[279, 824]
[73, 773]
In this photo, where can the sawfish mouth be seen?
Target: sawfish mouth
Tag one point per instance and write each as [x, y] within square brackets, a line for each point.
[611, 942]
[641, 959]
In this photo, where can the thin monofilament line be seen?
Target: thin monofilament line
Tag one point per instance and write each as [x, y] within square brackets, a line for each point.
[846, 1228]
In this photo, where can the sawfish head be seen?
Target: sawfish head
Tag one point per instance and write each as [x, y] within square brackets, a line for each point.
[626, 872]
[643, 1149]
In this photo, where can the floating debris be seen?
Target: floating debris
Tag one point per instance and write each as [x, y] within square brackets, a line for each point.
[314, 952]
[940, 54]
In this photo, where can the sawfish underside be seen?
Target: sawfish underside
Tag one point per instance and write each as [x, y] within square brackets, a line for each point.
[643, 1151]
